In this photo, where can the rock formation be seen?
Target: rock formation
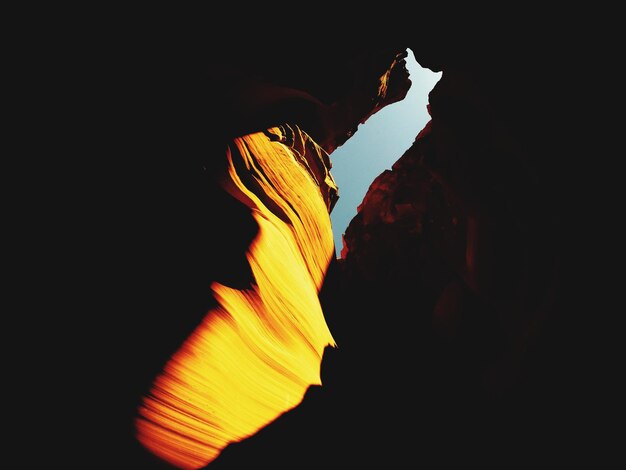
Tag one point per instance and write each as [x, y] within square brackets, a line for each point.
[451, 307]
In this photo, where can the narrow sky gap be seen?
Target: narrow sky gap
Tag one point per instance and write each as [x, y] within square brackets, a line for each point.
[377, 144]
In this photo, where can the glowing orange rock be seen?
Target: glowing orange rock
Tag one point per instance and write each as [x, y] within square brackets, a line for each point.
[254, 356]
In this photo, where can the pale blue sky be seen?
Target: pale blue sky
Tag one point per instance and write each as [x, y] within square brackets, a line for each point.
[377, 144]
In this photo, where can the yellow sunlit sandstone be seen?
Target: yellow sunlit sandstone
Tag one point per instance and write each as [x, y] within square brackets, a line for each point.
[254, 356]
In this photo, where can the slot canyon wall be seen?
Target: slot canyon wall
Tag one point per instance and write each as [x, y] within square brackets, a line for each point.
[197, 239]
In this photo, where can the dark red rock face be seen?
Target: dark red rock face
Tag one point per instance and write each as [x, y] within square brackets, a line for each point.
[463, 229]
[457, 268]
